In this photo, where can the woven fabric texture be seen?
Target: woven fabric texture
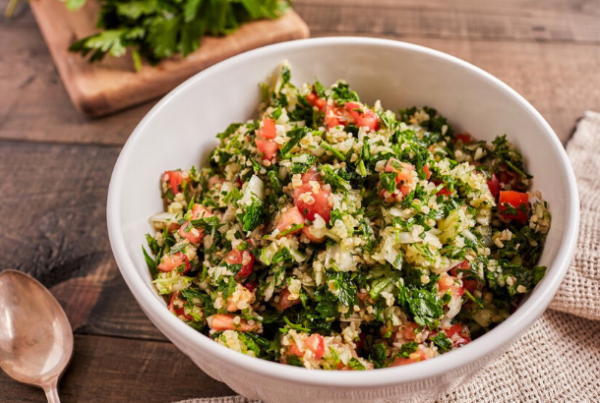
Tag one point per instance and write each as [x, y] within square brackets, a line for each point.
[558, 359]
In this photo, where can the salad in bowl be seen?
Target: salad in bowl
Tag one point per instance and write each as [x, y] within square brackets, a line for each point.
[331, 234]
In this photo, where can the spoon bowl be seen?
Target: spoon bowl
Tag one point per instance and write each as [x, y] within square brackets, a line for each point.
[36, 340]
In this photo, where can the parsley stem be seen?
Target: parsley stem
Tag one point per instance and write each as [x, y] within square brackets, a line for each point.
[332, 150]
[10, 9]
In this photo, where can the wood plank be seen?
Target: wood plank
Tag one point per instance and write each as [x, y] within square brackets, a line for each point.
[35, 106]
[519, 20]
[114, 370]
[100, 88]
[54, 225]
[561, 80]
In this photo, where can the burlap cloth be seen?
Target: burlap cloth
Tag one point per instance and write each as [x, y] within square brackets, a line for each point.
[558, 359]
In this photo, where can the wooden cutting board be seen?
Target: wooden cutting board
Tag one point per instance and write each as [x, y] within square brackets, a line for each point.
[113, 84]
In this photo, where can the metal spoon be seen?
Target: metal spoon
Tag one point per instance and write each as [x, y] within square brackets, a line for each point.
[36, 340]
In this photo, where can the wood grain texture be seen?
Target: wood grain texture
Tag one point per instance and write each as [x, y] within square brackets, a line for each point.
[54, 225]
[559, 75]
[113, 84]
[114, 370]
[52, 207]
[512, 20]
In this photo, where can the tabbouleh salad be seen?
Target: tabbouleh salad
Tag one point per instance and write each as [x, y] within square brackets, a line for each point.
[329, 234]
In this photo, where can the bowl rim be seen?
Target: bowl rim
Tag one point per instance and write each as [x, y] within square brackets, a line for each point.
[504, 334]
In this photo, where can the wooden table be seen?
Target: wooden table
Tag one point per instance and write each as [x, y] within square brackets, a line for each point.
[56, 166]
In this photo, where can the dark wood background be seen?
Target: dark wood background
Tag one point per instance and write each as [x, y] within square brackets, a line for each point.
[55, 166]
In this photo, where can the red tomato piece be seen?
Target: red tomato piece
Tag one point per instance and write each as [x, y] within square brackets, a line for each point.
[267, 147]
[316, 344]
[288, 219]
[494, 185]
[458, 335]
[464, 137]
[515, 200]
[444, 192]
[223, 321]
[314, 100]
[306, 231]
[293, 349]
[199, 211]
[363, 116]
[408, 330]
[311, 175]
[449, 283]
[190, 233]
[336, 116]
[469, 285]
[178, 310]
[175, 180]
[268, 131]
[319, 206]
[213, 180]
[427, 172]
[245, 258]
[251, 285]
[171, 262]
[417, 356]
[173, 227]
[284, 301]
[404, 177]
[445, 283]
[360, 343]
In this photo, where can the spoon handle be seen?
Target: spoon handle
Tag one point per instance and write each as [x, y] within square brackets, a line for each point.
[52, 394]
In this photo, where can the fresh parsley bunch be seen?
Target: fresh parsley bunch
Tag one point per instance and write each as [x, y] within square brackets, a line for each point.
[157, 29]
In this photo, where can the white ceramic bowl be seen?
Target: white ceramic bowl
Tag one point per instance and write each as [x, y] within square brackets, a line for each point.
[180, 131]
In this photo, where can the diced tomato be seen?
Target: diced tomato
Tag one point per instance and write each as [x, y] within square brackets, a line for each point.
[408, 330]
[178, 311]
[469, 285]
[427, 172]
[284, 301]
[515, 200]
[417, 356]
[494, 185]
[174, 226]
[199, 211]
[245, 258]
[293, 349]
[268, 131]
[316, 344]
[450, 283]
[314, 100]
[360, 343]
[267, 147]
[458, 335]
[190, 233]
[336, 116]
[320, 205]
[464, 137]
[171, 262]
[288, 219]
[444, 192]
[213, 180]
[445, 282]
[404, 176]
[311, 175]
[251, 285]
[363, 116]
[464, 265]
[175, 180]
[221, 321]
[306, 231]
